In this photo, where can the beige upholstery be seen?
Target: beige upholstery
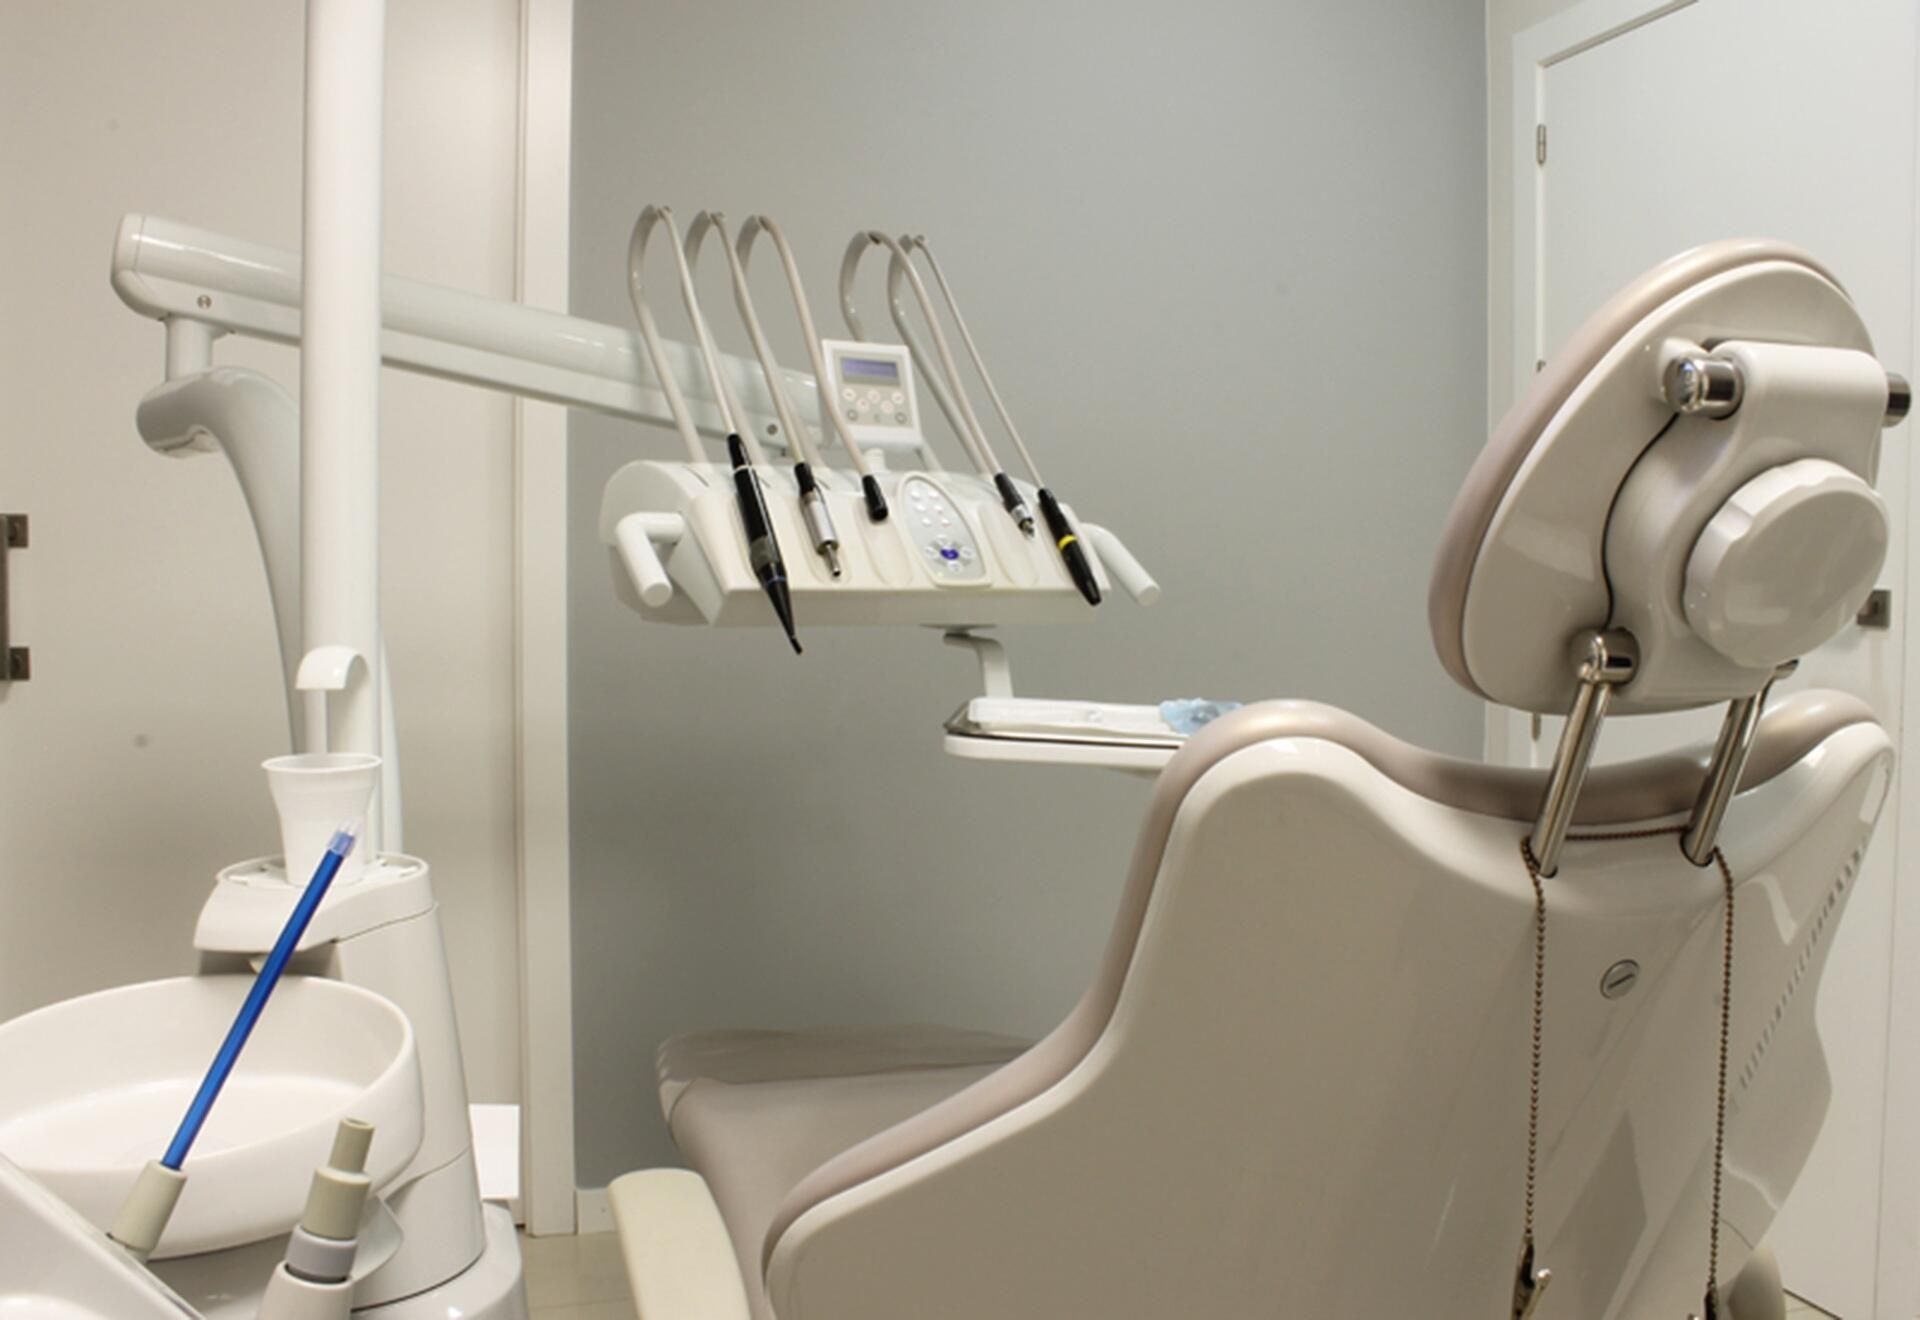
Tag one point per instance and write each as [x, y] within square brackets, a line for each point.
[1619, 794]
[755, 1111]
[745, 1056]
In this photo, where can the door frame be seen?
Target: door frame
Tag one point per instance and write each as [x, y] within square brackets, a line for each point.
[543, 202]
[1510, 735]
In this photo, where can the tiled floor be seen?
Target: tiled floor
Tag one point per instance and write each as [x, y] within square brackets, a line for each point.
[576, 1278]
[581, 1278]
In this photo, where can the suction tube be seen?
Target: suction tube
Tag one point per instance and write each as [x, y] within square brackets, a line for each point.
[263, 987]
[143, 1216]
[1065, 539]
[973, 435]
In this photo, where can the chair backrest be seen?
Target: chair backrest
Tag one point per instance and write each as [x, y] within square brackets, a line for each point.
[1300, 1081]
[1298, 1084]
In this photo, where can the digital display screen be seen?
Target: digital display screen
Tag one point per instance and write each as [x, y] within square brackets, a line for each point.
[870, 371]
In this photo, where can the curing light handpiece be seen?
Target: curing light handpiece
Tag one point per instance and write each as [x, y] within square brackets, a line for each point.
[763, 551]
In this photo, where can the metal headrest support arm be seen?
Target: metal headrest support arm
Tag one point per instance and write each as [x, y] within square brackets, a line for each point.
[1608, 660]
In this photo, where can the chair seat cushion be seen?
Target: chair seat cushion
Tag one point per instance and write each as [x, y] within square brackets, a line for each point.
[737, 1058]
[754, 1112]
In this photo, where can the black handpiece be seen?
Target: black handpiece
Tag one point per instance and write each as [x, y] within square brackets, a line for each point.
[1071, 550]
[763, 552]
[876, 502]
[1011, 500]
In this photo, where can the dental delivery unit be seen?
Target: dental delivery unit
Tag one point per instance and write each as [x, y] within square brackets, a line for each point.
[1377, 1032]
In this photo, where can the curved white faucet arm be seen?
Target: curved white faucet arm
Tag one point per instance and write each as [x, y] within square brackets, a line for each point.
[163, 269]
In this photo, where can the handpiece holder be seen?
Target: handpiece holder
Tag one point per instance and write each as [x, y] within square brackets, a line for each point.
[673, 539]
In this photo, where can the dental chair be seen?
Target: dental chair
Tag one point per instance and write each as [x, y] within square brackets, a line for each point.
[1381, 1033]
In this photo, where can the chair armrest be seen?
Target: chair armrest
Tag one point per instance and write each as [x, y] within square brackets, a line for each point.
[680, 1262]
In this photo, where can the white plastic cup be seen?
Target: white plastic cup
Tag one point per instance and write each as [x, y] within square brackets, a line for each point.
[316, 793]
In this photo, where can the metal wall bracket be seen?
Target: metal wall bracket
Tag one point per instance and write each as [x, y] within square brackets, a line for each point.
[18, 660]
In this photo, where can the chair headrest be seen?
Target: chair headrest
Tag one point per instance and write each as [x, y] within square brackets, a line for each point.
[1694, 467]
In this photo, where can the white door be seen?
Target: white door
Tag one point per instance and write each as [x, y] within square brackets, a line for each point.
[1667, 126]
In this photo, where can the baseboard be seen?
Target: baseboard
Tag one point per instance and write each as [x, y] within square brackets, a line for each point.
[592, 1211]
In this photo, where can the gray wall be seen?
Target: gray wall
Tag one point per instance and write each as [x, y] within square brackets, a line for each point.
[1276, 429]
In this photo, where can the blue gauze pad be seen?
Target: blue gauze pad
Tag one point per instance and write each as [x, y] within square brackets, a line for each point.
[1189, 715]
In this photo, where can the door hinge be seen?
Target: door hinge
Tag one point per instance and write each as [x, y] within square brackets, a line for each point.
[1877, 613]
[16, 662]
[1540, 144]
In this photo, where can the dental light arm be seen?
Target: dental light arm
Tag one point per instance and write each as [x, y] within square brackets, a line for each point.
[203, 284]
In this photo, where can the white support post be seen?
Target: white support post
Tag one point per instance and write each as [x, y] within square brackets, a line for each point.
[340, 360]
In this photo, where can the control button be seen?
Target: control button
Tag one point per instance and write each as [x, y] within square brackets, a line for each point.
[847, 393]
[853, 414]
[949, 553]
[966, 554]
[898, 398]
[925, 520]
[900, 418]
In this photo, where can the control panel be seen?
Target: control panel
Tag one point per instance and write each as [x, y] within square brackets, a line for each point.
[948, 549]
[872, 386]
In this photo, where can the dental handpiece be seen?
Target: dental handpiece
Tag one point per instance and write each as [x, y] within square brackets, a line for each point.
[1065, 540]
[763, 549]
[972, 436]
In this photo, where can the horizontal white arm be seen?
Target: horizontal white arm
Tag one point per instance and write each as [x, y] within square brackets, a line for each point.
[176, 272]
